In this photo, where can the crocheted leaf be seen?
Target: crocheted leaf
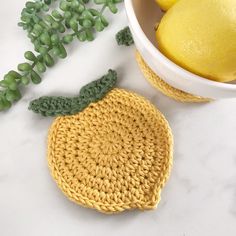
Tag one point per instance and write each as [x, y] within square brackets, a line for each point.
[97, 89]
[92, 92]
[124, 37]
[52, 106]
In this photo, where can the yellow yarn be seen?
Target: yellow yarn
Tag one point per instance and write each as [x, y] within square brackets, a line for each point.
[113, 156]
[165, 88]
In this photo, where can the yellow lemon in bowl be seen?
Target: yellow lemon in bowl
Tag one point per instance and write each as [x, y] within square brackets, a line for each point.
[200, 36]
[166, 4]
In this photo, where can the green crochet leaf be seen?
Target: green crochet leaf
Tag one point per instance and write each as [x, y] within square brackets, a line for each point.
[124, 37]
[92, 92]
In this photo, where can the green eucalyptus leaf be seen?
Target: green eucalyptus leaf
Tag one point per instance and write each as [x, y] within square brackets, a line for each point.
[43, 50]
[67, 15]
[94, 12]
[74, 4]
[13, 96]
[80, 8]
[67, 39]
[87, 23]
[49, 18]
[56, 14]
[4, 84]
[55, 39]
[104, 21]
[87, 15]
[63, 53]
[45, 39]
[45, 8]
[30, 56]
[36, 19]
[14, 74]
[89, 35]
[25, 80]
[112, 7]
[24, 67]
[67, 23]
[30, 4]
[38, 5]
[37, 45]
[25, 19]
[4, 104]
[48, 60]
[61, 28]
[63, 5]
[41, 68]
[55, 25]
[73, 24]
[35, 78]
[99, 26]
[82, 36]
[56, 51]
[12, 85]
[9, 78]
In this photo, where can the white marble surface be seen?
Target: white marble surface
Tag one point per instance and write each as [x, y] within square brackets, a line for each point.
[200, 197]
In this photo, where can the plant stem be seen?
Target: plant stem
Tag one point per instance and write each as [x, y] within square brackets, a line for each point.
[47, 26]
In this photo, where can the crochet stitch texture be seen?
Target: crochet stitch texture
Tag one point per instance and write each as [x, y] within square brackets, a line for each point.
[114, 155]
[165, 88]
[124, 37]
[92, 92]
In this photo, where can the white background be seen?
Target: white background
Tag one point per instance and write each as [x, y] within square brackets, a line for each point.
[198, 200]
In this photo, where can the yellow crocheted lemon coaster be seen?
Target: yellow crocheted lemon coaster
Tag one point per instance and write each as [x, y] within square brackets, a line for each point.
[165, 88]
[114, 155]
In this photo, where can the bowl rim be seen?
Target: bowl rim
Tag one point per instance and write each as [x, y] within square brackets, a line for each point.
[168, 63]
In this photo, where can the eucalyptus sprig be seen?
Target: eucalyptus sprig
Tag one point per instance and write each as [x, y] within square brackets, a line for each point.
[50, 30]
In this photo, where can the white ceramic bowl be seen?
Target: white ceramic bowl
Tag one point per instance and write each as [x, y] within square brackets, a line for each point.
[142, 15]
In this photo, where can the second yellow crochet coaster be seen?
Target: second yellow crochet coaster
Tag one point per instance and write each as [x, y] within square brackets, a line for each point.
[114, 155]
[165, 88]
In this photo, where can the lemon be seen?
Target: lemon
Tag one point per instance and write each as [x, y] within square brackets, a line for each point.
[166, 4]
[200, 36]
[114, 155]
